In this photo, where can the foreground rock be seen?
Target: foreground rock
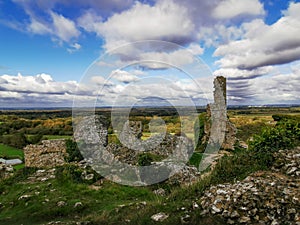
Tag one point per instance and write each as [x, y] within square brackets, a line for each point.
[262, 198]
[159, 217]
[6, 171]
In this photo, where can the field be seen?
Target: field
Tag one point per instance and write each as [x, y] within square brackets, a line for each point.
[8, 152]
[69, 198]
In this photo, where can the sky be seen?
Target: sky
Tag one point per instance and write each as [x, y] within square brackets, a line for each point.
[125, 52]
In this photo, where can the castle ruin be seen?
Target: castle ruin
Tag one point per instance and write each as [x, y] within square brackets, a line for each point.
[93, 132]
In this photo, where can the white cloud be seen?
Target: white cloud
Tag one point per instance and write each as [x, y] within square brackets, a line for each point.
[74, 48]
[64, 28]
[41, 91]
[41, 83]
[278, 88]
[265, 85]
[163, 60]
[90, 21]
[293, 11]
[237, 74]
[123, 76]
[219, 34]
[228, 9]
[263, 44]
[37, 27]
[164, 21]
[195, 49]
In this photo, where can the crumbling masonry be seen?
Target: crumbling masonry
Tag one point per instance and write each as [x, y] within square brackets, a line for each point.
[227, 135]
[51, 153]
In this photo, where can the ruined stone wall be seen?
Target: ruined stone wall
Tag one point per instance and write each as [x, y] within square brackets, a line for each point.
[218, 111]
[49, 153]
[91, 130]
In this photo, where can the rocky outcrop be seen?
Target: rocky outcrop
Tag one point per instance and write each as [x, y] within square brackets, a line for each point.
[50, 153]
[263, 198]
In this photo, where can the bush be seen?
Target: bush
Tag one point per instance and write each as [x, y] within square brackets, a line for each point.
[145, 159]
[17, 140]
[235, 167]
[73, 153]
[285, 135]
[76, 174]
[35, 139]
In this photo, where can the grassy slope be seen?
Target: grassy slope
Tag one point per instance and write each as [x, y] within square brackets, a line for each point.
[10, 152]
[111, 204]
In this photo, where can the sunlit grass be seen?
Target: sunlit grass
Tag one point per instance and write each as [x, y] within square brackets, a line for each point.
[10, 152]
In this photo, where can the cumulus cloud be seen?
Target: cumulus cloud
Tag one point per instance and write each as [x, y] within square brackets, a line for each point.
[40, 90]
[90, 21]
[238, 74]
[219, 34]
[227, 9]
[248, 49]
[164, 60]
[123, 76]
[64, 28]
[252, 63]
[41, 83]
[130, 21]
[163, 21]
[278, 88]
[271, 86]
[263, 44]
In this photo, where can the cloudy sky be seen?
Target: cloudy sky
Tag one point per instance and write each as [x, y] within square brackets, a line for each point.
[50, 50]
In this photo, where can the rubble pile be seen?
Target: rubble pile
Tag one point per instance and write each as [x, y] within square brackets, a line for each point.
[6, 171]
[262, 198]
[288, 162]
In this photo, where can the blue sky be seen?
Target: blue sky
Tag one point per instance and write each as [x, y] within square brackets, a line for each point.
[47, 46]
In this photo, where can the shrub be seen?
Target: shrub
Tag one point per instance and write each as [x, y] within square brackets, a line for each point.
[76, 174]
[73, 153]
[235, 167]
[285, 135]
[35, 139]
[145, 159]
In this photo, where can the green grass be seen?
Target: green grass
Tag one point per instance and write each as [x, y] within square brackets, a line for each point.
[103, 206]
[111, 204]
[195, 159]
[37, 210]
[8, 152]
[19, 167]
[51, 137]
